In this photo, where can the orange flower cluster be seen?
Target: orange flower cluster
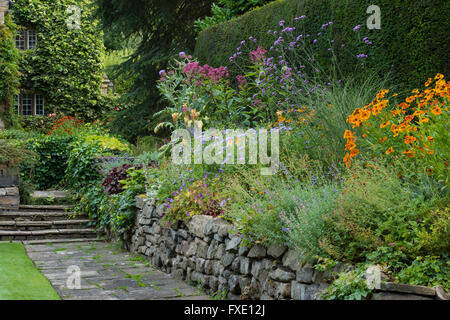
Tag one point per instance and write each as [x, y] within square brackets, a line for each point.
[404, 121]
[67, 124]
[350, 146]
[297, 116]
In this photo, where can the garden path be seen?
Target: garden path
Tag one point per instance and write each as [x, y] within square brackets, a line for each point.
[107, 273]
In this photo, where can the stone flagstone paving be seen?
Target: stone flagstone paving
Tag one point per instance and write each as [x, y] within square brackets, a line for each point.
[107, 273]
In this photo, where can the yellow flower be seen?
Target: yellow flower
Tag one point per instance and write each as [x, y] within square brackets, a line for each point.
[384, 125]
[410, 139]
[428, 82]
[390, 150]
[175, 117]
[436, 110]
[409, 153]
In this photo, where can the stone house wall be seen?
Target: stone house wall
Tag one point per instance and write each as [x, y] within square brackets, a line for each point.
[4, 5]
[208, 252]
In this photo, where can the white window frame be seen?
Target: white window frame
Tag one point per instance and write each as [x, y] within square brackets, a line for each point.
[30, 34]
[21, 40]
[30, 100]
[36, 106]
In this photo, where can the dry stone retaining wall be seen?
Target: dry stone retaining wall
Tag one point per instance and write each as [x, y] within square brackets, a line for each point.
[209, 252]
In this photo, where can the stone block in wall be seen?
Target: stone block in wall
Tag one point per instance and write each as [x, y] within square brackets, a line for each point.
[234, 244]
[218, 268]
[244, 265]
[300, 291]
[212, 249]
[204, 280]
[243, 250]
[282, 275]
[305, 274]
[257, 252]
[209, 267]
[235, 266]
[255, 289]
[160, 210]
[244, 284]
[224, 230]
[202, 248]
[291, 259]
[278, 290]
[139, 202]
[192, 249]
[233, 284]
[213, 283]
[223, 284]
[220, 251]
[199, 264]
[183, 234]
[197, 225]
[179, 274]
[276, 251]
[212, 226]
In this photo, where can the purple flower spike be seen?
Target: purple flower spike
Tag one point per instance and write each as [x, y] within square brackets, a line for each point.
[356, 28]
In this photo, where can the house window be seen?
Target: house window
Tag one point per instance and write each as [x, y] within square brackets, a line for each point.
[30, 104]
[26, 39]
[27, 104]
[32, 39]
[20, 40]
[39, 104]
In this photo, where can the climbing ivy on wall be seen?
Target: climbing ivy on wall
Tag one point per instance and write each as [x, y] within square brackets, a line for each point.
[9, 70]
[66, 66]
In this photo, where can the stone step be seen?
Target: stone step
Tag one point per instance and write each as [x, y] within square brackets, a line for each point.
[64, 240]
[28, 225]
[35, 207]
[47, 234]
[39, 215]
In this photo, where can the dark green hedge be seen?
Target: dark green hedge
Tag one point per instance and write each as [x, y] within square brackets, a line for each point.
[412, 42]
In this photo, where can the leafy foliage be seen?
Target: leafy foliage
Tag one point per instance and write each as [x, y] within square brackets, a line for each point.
[225, 10]
[66, 66]
[9, 70]
[112, 182]
[161, 29]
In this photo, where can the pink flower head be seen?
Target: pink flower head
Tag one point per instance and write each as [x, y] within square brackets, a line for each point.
[162, 73]
[258, 54]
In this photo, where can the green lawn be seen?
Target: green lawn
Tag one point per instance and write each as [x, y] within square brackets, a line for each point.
[19, 278]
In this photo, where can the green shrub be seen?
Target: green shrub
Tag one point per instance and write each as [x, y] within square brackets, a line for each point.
[53, 153]
[435, 236]
[349, 286]
[409, 44]
[375, 208]
[427, 271]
